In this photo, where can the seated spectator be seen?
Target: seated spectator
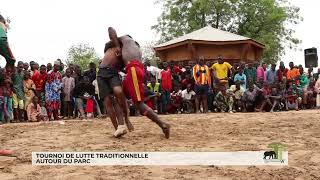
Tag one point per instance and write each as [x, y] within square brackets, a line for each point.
[251, 72]
[275, 98]
[237, 92]
[176, 101]
[34, 110]
[292, 100]
[223, 100]
[309, 96]
[250, 98]
[266, 91]
[186, 81]
[188, 99]
[82, 92]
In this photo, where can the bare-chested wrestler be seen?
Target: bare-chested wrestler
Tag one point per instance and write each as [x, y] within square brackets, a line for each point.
[133, 83]
[110, 85]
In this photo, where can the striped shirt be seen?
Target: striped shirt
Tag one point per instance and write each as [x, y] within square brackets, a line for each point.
[201, 75]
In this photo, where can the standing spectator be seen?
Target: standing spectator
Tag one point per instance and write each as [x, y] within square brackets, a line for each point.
[83, 92]
[18, 93]
[68, 86]
[6, 94]
[155, 71]
[53, 90]
[293, 74]
[29, 89]
[26, 66]
[241, 77]
[49, 67]
[92, 72]
[317, 75]
[251, 72]
[98, 101]
[272, 75]
[166, 86]
[317, 89]
[202, 77]
[40, 82]
[261, 72]
[221, 70]
[282, 73]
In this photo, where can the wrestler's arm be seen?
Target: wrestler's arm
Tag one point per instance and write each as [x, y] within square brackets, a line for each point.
[114, 39]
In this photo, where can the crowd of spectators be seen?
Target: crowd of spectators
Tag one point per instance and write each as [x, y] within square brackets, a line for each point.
[29, 92]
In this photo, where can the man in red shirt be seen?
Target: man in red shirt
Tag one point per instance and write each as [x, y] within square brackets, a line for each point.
[166, 86]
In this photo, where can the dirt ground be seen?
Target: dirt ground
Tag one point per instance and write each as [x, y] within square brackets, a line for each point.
[299, 131]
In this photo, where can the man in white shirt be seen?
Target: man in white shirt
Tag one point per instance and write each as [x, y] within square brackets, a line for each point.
[188, 97]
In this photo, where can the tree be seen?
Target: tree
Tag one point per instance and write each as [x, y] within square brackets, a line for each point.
[148, 53]
[267, 21]
[82, 55]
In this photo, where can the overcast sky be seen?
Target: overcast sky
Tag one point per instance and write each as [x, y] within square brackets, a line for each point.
[43, 30]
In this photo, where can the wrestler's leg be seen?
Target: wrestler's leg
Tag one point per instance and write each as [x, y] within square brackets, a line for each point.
[146, 111]
[111, 112]
[122, 102]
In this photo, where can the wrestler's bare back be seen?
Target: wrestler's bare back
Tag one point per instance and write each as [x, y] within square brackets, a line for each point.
[130, 49]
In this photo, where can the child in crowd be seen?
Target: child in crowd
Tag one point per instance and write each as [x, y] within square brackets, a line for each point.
[34, 110]
[156, 89]
[29, 89]
[68, 84]
[44, 111]
[18, 92]
[175, 101]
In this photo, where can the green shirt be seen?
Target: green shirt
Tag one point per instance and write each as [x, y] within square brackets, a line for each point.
[3, 33]
[18, 84]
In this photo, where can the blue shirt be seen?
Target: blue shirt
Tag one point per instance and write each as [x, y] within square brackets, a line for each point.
[271, 76]
[243, 80]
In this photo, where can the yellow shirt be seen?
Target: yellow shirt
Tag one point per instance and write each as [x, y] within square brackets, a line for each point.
[221, 70]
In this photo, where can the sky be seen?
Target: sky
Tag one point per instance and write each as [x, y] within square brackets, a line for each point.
[43, 30]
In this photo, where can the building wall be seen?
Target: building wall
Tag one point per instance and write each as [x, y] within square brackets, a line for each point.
[233, 52]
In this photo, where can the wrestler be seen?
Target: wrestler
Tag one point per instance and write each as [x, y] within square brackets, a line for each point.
[133, 83]
[109, 83]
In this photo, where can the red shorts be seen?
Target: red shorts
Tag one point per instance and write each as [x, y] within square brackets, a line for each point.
[133, 84]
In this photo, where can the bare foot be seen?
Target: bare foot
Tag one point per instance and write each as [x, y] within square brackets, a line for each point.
[166, 130]
[5, 152]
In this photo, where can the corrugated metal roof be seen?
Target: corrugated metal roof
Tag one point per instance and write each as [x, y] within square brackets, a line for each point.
[206, 34]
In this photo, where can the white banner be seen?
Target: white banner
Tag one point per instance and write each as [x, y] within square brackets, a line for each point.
[242, 158]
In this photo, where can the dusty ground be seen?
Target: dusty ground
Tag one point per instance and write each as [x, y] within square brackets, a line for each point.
[300, 131]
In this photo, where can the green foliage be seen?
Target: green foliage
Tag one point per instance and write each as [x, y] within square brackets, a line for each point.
[82, 55]
[269, 22]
